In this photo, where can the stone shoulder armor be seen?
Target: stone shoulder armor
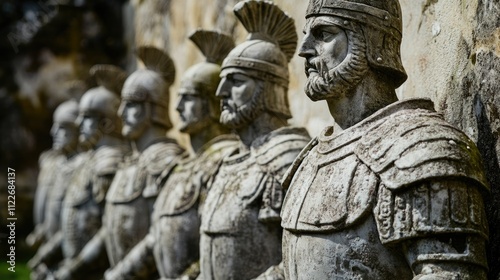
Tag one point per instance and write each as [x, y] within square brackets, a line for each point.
[336, 180]
[274, 153]
[192, 176]
[94, 176]
[431, 175]
[157, 158]
[418, 145]
[137, 176]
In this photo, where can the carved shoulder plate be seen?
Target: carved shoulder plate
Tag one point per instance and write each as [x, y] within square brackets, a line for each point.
[157, 158]
[191, 176]
[418, 145]
[138, 176]
[275, 152]
[107, 159]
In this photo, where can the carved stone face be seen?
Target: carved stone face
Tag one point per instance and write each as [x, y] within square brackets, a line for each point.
[335, 59]
[135, 118]
[64, 137]
[240, 99]
[89, 130]
[193, 112]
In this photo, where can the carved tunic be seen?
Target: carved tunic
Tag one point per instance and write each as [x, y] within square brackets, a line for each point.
[83, 204]
[129, 202]
[176, 220]
[241, 236]
[66, 170]
[354, 197]
[49, 162]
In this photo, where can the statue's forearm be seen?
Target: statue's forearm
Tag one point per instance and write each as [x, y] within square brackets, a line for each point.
[139, 263]
[49, 253]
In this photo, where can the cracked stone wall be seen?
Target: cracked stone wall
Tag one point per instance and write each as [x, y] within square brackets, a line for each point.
[450, 49]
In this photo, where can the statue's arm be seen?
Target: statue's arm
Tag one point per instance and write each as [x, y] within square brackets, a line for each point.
[139, 263]
[93, 256]
[441, 228]
[49, 253]
[37, 236]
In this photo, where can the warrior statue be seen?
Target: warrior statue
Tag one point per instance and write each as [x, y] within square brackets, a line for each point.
[391, 191]
[173, 239]
[129, 201]
[240, 227]
[56, 168]
[83, 203]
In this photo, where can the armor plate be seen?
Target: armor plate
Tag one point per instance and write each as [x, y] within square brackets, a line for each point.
[129, 202]
[81, 213]
[176, 220]
[234, 227]
[352, 193]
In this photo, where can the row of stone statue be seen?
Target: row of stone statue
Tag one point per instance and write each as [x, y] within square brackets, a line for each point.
[390, 191]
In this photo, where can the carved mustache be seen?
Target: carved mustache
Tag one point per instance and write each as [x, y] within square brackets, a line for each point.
[316, 65]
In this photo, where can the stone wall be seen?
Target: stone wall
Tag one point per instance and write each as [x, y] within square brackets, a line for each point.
[450, 50]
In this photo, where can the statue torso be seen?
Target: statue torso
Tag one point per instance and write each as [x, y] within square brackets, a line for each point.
[130, 199]
[83, 204]
[240, 239]
[354, 195]
[176, 217]
[66, 170]
[49, 163]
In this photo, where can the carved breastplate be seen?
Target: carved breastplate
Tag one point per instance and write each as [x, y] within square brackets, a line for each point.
[331, 189]
[127, 185]
[80, 190]
[181, 191]
[229, 202]
[57, 193]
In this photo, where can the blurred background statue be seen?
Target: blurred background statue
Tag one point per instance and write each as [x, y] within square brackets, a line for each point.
[240, 231]
[84, 201]
[173, 241]
[129, 202]
[57, 167]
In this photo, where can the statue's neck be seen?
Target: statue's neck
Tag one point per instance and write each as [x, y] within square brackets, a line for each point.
[149, 137]
[203, 136]
[109, 140]
[368, 97]
[262, 125]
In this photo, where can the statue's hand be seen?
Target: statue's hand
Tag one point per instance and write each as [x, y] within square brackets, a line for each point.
[111, 274]
[63, 273]
[34, 262]
[40, 272]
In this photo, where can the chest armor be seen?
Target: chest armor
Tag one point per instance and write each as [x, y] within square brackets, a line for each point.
[331, 189]
[49, 165]
[58, 191]
[230, 207]
[332, 197]
[176, 221]
[181, 191]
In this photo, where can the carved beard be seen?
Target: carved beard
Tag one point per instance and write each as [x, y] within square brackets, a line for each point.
[246, 113]
[339, 81]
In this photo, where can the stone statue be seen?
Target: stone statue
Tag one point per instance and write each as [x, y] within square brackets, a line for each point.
[392, 191]
[240, 228]
[56, 169]
[130, 199]
[83, 204]
[173, 239]
[64, 134]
